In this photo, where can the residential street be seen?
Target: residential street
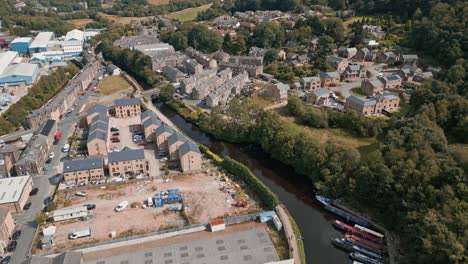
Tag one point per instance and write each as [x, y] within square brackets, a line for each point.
[46, 184]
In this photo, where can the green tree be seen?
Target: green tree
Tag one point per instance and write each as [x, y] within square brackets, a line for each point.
[271, 55]
[41, 219]
[205, 40]
[167, 92]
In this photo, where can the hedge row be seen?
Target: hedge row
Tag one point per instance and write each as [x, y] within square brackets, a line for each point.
[265, 195]
[204, 149]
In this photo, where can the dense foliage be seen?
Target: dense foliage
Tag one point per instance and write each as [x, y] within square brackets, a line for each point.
[265, 195]
[141, 8]
[253, 5]
[38, 95]
[199, 37]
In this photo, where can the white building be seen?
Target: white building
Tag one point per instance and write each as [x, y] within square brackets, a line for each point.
[69, 213]
[75, 35]
[6, 58]
[40, 42]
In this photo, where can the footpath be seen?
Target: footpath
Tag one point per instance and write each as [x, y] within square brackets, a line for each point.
[292, 239]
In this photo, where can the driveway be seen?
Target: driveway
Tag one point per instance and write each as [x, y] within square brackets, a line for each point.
[345, 89]
[46, 184]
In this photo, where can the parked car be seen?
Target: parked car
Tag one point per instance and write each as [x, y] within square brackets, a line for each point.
[33, 192]
[82, 194]
[142, 143]
[46, 167]
[115, 141]
[6, 260]
[81, 184]
[47, 200]
[16, 234]
[66, 147]
[12, 246]
[116, 134]
[114, 129]
[51, 155]
[90, 206]
[27, 206]
[114, 138]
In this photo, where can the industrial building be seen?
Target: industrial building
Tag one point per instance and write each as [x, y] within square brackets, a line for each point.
[6, 58]
[40, 42]
[19, 74]
[14, 193]
[69, 213]
[21, 45]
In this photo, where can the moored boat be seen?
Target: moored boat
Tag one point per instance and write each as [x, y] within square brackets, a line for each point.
[368, 243]
[350, 229]
[364, 259]
[347, 216]
[323, 200]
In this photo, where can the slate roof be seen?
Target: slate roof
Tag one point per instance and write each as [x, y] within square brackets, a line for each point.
[98, 126]
[176, 137]
[97, 134]
[134, 154]
[187, 147]
[321, 92]
[100, 118]
[152, 120]
[329, 74]
[47, 128]
[310, 79]
[359, 101]
[376, 83]
[164, 128]
[390, 96]
[80, 165]
[391, 78]
[354, 67]
[101, 109]
[146, 114]
[282, 87]
[127, 101]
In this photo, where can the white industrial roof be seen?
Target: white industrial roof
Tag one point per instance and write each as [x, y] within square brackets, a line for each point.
[23, 39]
[22, 69]
[6, 58]
[75, 35]
[42, 39]
[12, 188]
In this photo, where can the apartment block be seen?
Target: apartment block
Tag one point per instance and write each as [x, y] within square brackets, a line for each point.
[128, 163]
[188, 84]
[77, 171]
[127, 107]
[190, 157]
[162, 135]
[174, 142]
[222, 94]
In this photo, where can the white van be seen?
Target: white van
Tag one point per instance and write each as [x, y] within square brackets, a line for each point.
[80, 234]
[121, 206]
[149, 202]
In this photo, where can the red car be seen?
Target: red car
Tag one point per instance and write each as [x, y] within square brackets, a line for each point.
[114, 138]
[141, 143]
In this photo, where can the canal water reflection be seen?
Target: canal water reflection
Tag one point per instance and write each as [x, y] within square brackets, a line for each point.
[293, 190]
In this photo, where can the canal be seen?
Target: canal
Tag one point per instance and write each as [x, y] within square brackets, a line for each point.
[293, 190]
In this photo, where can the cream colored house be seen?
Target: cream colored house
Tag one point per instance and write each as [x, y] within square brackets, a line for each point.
[7, 225]
[128, 163]
[190, 157]
[174, 142]
[162, 135]
[86, 170]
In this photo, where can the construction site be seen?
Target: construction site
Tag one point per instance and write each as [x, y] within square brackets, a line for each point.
[150, 205]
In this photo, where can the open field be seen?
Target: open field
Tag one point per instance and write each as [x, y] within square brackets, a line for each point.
[123, 20]
[335, 135]
[188, 14]
[79, 23]
[206, 197]
[158, 2]
[112, 84]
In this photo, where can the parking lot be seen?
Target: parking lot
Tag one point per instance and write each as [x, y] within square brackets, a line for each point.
[205, 198]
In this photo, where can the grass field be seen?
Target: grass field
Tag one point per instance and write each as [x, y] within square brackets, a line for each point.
[123, 20]
[112, 84]
[188, 14]
[79, 23]
[335, 135]
[358, 92]
[347, 23]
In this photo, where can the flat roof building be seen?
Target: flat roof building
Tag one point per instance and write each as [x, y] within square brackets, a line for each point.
[19, 74]
[6, 58]
[40, 42]
[21, 45]
[14, 193]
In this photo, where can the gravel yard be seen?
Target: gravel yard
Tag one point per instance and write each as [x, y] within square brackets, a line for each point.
[206, 197]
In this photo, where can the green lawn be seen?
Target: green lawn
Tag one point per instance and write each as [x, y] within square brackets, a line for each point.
[188, 14]
[358, 92]
[112, 84]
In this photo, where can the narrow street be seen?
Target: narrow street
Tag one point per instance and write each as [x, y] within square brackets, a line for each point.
[46, 184]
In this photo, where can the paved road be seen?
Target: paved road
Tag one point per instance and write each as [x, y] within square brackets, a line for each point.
[345, 89]
[46, 184]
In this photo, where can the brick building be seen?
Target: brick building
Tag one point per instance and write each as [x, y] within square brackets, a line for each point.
[128, 163]
[127, 107]
[77, 171]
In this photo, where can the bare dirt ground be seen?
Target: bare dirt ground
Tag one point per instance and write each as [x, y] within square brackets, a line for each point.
[205, 198]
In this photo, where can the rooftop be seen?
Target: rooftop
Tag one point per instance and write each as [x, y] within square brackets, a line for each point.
[176, 137]
[392, 78]
[11, 189]
[75, 34]
[6, 58]
[97, 134]
[360, 101]
[321, 92]
[47, 128]
[101, 109]
[164, 128]
[79, 165]
[21, 69]
[187, 147]
[41, 40]
[125, 155]
[127, 101]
